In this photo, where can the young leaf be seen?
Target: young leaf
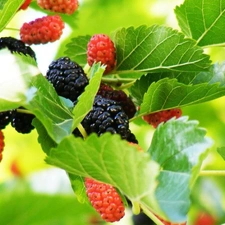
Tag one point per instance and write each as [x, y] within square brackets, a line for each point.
[169, 93]
[203, 20]
[179, 155]
[8, 9]
[111, 160]
[77, 49]
[157, 48]
[46, 105]
[85, 101]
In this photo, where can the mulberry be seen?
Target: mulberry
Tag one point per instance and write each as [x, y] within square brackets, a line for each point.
[107, 116]
[5, 118]
[105, 199]
[120, 97]
[67, 77]
[22, 122]
[17, 46]
[101, 49]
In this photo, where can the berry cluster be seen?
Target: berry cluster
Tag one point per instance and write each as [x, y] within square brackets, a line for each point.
[109, 113]
[105, 199]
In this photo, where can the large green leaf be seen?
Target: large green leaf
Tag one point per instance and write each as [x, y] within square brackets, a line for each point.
[203, 20]
[111, 160]
[157, 48]
[177, 146]
[46, 105]
[8, 9]
[192, 81]
[169, 93]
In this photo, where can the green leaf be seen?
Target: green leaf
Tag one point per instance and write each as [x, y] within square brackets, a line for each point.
[157, 49]
[178, 153]
[43, 137]
[77, 49]
[221, 151]
[216, 75]
[46, 105]
[169, 93]
[203, 20]
[17, 71]
[111, 160]
[77, 183]
[8, 9]
[86, 99]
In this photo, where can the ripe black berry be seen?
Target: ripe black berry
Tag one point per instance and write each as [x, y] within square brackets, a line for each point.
[107, 116]
[5, 118]
[120, 97]
[17, 46]
[22, 122]
[67, 77]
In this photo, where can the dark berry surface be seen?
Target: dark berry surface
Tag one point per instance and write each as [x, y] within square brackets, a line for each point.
[22, 122]
[67, 77]
[17, 46]
[107, 116]
[5, 118]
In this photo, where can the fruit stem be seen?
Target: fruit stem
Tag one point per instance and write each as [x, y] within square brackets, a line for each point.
[151, 215]
[118, 81]
[12, 29]
[212, 172]
[86, 68]
[82, 130]
[135, 208]
[24, 111]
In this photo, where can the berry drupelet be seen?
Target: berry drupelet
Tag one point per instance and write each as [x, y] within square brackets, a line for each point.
[67, 77]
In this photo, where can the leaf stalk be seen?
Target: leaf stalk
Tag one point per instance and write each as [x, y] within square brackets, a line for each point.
[151, 215]
[212, 173]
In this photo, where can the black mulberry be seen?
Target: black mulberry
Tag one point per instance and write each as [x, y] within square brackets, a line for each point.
[5, 118]
[120, 97]
[107, 116]
[22, 122]
[15, 45]
[67, 77]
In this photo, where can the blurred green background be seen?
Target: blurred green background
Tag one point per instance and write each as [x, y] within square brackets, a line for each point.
[32, 192]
